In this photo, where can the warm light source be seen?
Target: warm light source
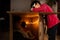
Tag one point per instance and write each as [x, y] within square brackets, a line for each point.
[27, 22]
[35, 22]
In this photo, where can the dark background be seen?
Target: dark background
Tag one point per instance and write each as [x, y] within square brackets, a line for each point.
[4, 6]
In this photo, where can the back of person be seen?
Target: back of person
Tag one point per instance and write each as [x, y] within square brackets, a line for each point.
[52, 19]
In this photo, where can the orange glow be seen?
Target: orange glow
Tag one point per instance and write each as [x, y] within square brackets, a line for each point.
[35, 22]
[27, 22]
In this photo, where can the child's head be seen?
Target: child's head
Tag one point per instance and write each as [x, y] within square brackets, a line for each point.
[35, 4]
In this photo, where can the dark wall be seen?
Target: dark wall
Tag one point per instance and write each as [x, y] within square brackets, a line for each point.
[58, 29]
[4, 6]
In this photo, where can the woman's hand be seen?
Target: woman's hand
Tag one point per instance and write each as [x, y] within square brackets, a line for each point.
[31, 9]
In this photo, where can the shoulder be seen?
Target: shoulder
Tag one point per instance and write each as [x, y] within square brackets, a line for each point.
[47, 8]
[44, 6]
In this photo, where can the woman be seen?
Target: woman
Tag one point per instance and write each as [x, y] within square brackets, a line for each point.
[52, 19]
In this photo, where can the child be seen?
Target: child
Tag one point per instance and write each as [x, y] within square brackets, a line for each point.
[22, 33]
[52, 19]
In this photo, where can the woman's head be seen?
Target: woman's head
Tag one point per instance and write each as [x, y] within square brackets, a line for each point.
[23, 24]
[35, 4]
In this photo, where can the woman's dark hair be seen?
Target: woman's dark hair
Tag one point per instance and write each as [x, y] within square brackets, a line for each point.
[35, 3]
[23, 24]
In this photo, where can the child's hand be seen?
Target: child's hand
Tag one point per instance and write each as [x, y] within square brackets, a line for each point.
[31, 9]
